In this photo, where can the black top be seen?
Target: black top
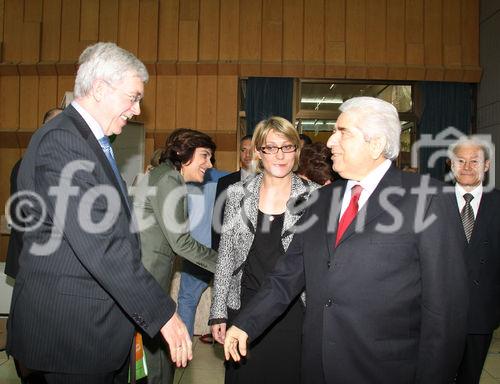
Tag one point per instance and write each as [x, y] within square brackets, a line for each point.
[265, 251]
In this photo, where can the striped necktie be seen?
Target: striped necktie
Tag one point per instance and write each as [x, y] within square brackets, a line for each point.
[467, 215]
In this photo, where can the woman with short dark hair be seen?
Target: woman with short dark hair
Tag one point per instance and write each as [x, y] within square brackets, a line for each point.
[160, 205]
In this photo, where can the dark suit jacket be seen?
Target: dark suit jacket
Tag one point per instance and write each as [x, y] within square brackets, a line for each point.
[75, 309]
[220, 204]
[483, 263]
[16, 237]
[381, 307]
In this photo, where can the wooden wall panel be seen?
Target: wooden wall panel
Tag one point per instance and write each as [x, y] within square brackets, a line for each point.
[28, 103]
[206, 111]
[188, 40]
[209, 30]
[250, 30]
[189, 10]
[51, 31]
[335, 32]
[272, 31]
[2, 14]
[229, 30]
[148, 105]
[451, 33]
[33, 11]
[70, 24]
[314, 47]
[414, 32]
[227, 103]
[165, 102]
[470, 32]
[185, 111]
[47, 95]
[128, 25]
[13, 31]
[108, 20]
[89, 20]
[293, 35]
[148, 30]
[355, 32]
[9, 103]
[433, 33]
[375, 31]
[31, 42]
[395, 38]
[168, 31]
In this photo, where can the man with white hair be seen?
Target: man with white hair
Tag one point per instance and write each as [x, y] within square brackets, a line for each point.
[82, 290]
[381, 258]
[479, 210]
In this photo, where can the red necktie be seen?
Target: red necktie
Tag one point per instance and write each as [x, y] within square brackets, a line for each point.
[350, 213]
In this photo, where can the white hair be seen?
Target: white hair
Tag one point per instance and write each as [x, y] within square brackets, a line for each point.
[108, 62]
[470, 141]
[374, 118]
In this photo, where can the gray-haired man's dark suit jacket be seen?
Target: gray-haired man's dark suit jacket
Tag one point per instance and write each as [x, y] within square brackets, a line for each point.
[381, 307]
[75, 310]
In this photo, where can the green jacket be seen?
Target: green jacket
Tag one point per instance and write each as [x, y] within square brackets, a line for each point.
[160, 206]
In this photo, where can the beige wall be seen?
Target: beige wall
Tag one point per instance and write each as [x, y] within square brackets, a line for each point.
[196, 50]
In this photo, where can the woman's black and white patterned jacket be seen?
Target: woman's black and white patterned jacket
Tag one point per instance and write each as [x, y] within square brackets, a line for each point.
[238, 230]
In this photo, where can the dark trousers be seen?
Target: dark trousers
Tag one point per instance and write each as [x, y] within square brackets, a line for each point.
[117, 377]
[471, 366]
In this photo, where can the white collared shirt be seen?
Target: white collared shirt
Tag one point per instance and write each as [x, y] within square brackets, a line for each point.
[476, 192]
[369, 183]
[91, 122]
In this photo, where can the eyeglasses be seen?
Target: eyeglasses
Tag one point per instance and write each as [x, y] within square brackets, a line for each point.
[272, 150]
[472, 163]
[132, 98]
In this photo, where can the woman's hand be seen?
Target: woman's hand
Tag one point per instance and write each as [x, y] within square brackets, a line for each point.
[219, 332]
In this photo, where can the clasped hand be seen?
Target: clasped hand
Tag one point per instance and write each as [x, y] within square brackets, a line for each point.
[235, 343]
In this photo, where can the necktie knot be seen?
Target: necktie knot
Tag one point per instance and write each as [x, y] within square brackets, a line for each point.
[468, 198]
[356, 192]
[105, 143]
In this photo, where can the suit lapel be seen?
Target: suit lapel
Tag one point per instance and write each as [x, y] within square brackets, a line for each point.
[373, 207]
[94, 145]
[334, 203]
[484, 215]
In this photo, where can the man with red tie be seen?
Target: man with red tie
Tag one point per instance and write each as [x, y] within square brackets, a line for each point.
[380, 255]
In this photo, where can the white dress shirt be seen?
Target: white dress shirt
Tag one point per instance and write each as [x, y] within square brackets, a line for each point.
[369, 183]
[92, 123]
[476, 192]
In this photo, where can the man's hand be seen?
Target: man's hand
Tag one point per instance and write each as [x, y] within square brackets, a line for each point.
[176, 335]
[219, 332]
[235, 339]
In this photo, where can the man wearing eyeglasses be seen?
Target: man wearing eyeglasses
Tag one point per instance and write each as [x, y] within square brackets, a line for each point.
[81, 290]
[480, 211]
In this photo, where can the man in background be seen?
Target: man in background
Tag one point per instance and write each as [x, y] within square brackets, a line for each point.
[480, 211]
[246, 170]
[16, 236]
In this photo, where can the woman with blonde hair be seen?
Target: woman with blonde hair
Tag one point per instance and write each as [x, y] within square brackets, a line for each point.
[257, 229]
